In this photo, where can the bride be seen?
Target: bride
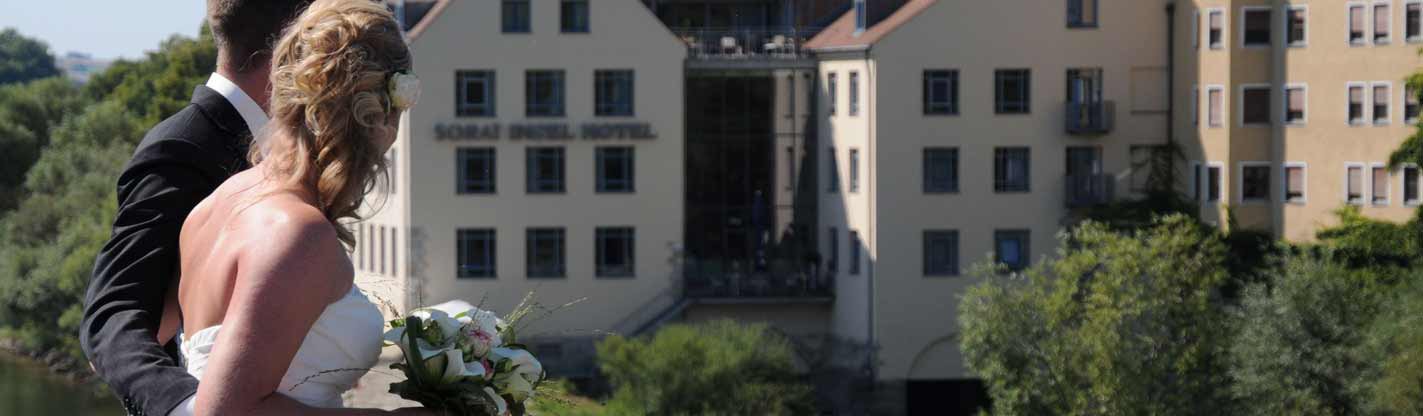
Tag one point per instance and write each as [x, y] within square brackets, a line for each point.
[266, 296]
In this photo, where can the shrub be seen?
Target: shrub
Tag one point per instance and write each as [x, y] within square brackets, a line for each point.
[719, 368]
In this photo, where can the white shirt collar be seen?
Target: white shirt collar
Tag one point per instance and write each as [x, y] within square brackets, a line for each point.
[252, 113]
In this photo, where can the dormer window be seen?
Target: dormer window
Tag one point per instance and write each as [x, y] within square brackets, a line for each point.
[861, 17]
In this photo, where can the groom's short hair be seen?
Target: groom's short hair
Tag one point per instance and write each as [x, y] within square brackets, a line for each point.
[246, 30]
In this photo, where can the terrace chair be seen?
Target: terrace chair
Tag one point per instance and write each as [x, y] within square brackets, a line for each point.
[729, 46]
[777, 45]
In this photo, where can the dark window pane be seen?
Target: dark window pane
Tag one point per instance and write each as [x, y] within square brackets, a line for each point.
[1256, 103]
[545, 252]
[614, 255]
[545, 169]
[1011, 248]
[543, 93]
[1257, 27]
[573, 16]
[515, 16]
[614, 93]
[1011, 91]
[476, 253]
[615, 169]
[476, 170]
[941, 253]
[1010, 169]
[1255, 182]
[941, 170]
[941, 92]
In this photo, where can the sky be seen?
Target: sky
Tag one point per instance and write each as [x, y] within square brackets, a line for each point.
[106, 29]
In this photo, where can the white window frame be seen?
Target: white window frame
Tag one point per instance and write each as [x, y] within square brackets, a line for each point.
[1364, 185]
[1240, 182]
[1368, 26]
[1366, 105]
[1224, 114]
[1220, 183]
[1403, 185]
[1244, 10]
[1196, 30]
[1388, 112]
[1240, 105]
[1285, 104]
[1388, 190]
[1370, 21]
[1284, 182]
[1224, 26]
[1195, 105]
[1406, 38]
[1285, 25]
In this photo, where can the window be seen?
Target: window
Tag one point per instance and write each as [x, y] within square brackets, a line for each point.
[394, 251]
[544, 252]
[832, 171]
[1295, 102]
[1254, 181]
[573, 16]
[1214, 180]
[861, 19]
[1356, 24]
[615, 249]
[476, 253]
[831, 91]
[1296, 26]
[1084, 85]
[1354, 184]
[1011, 91]
[392, 171]
[854, 253]
[1195, 105]
[614, 92]
[1411, 185]
[1010, 248]
[1381, 101]
[476, 170]
[1256, 26]
[516, 16]
[1380, 185]
[543, 93]
[941, 253]
[1356, 103]
[1216, 32]
[1010, 169]
[854, 93]
[1196, 182]
[545, 170]
[941, 170]
[854, 170]
[833, 263]
[1196, 30]
[1254, 104]
[360, 243]
[382, 248]
[474, 93]
[1410, 105]
[615, 169]
[941, 92]
[1215, 100]
[1294, 182]
[1081, 13]
[1381, 21]
[1412, 15]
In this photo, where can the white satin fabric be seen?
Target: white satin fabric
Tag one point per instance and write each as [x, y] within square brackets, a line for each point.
[342, 345]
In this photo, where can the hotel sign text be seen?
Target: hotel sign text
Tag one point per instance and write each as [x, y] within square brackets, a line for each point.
[544, 131]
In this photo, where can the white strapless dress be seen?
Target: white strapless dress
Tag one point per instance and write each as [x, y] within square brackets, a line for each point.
[346, 336]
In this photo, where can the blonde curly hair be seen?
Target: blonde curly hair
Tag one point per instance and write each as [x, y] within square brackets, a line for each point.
[330, 103]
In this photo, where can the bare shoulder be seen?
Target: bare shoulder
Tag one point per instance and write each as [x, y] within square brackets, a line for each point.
[289, 239]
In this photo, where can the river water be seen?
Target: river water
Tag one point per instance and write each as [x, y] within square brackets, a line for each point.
[28, 388]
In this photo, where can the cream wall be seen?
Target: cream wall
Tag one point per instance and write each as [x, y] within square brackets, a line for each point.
[916, 316]
[623, 35]
[844, 210]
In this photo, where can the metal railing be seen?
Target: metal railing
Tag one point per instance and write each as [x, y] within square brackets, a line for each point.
[1089, 190]
[1090, 117]
[746, 43]
[719, 279]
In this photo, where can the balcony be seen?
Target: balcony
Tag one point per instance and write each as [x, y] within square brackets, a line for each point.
[1090, 118]
[780, 281]
[743, 44]
[1089, 190]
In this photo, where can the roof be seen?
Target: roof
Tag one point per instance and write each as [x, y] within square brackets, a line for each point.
[419, 14]
[841, 34]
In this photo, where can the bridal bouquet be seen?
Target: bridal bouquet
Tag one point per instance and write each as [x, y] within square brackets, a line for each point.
[463, 360]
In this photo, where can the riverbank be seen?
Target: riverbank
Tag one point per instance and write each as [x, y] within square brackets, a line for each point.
[59, 365]
[29, 387]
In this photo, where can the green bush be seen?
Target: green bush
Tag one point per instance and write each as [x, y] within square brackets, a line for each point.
[1299, 347]
[1395, 340]
[719, 368]
[1117, 324]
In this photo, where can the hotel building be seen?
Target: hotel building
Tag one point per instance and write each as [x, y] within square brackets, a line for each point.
[833, 167]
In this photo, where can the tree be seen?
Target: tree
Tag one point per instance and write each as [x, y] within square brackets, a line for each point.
[23, 59]
[27, 114]
[719, 368]
[1118, 323]
[1299, 347]
[1395, 340]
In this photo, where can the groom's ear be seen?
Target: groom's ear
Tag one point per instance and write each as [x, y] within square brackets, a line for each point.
[245, 31]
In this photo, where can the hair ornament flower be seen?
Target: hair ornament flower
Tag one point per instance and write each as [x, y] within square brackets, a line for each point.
[404, 89]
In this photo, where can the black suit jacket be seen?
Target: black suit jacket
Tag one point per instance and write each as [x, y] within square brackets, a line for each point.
[180, 161]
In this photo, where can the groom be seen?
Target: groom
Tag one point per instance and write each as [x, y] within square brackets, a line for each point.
[179, 163]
